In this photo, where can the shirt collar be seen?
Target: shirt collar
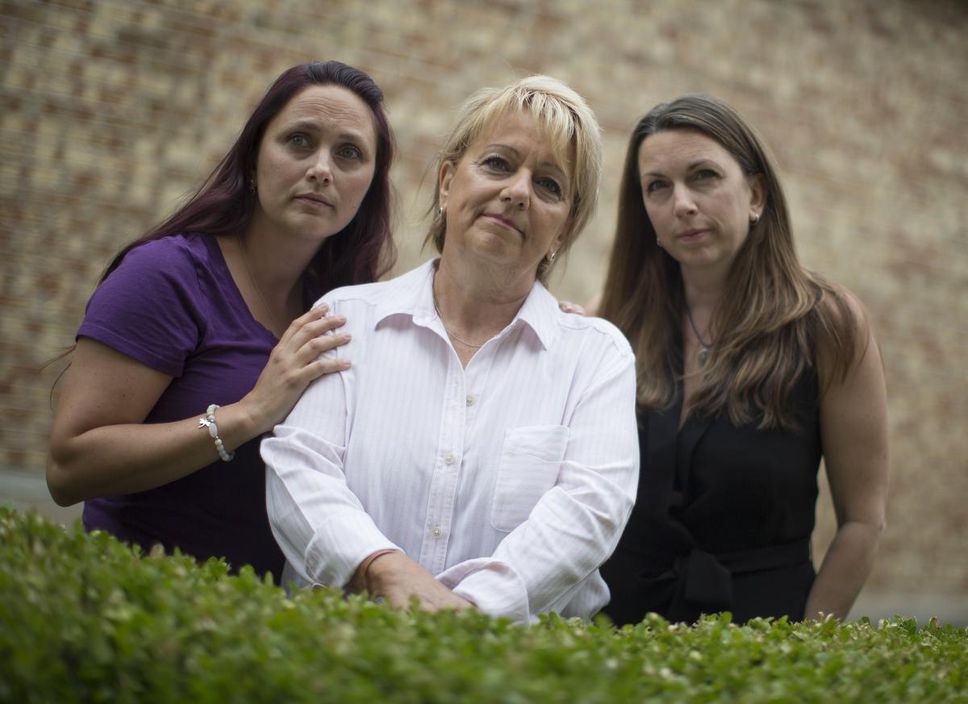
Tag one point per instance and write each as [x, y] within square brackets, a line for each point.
[540, 312]
[410, 294]
[413, 296]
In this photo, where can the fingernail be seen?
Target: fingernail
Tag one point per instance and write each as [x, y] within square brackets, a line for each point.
[345, 364]
[323, 308]
[347, 337]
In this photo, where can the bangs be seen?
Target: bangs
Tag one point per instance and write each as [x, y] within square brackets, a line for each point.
[555, 122]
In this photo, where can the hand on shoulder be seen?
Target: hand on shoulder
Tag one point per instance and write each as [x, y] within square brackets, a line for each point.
[589, 309]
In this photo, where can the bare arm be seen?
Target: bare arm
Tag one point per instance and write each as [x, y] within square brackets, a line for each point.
[853, 424]
[100, 444]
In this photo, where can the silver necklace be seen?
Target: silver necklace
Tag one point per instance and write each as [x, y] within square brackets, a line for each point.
[433, 294]
[704, 347]
[258, 290]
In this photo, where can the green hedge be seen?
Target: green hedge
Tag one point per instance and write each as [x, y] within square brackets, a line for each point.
[84, 618]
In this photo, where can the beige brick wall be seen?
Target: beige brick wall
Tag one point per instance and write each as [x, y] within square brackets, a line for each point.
[113, 110]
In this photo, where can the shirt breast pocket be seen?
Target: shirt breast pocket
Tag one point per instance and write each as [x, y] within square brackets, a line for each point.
[528, 467]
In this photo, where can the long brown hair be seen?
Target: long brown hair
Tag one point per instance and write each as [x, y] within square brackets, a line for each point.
[224, 204]
[772, 313]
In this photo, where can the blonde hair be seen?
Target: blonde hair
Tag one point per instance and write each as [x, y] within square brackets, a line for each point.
[569, 124]
[775, 320]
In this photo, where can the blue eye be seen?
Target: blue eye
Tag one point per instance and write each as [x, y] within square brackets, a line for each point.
[550, 185]
[298, 139]
[653, 186]
[495, 163]
[350, 151]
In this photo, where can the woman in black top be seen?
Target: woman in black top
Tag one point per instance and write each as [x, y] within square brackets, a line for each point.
[750, 370]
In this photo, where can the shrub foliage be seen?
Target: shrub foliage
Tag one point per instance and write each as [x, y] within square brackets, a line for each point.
[85, 618]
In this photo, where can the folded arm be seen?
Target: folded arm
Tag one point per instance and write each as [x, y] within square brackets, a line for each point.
[576, 525]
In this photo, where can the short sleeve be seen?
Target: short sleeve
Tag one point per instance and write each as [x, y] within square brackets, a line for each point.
[147, 308]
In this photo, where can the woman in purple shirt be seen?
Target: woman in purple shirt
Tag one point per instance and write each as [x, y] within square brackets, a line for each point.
[197, 339]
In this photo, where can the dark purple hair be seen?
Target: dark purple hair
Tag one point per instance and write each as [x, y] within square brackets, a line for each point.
[361, 252]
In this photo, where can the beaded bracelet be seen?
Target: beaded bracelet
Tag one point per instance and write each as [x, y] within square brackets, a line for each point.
[209, 422]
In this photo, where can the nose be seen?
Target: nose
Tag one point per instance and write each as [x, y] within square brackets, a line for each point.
[320, 170]
[517, 191]
[683, 204]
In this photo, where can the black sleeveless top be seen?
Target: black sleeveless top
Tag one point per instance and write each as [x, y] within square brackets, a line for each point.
[723, 517]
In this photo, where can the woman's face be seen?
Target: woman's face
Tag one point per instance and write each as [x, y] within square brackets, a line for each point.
[315, 163]
[697, 197]
[507, 200]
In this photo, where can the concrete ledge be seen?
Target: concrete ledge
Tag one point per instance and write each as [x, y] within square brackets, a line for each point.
[947, 608]
[27, 491]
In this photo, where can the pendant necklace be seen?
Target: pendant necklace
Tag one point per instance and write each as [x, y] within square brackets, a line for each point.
[433, 294]
[704, 347]
[258, 290]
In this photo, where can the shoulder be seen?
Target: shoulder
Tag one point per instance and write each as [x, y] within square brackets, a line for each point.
[843, 335]
[841, 315]
[596, 331]
[394, 294]
[151, 307]
[175, 256]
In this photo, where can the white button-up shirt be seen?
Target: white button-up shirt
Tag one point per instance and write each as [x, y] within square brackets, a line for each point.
[510, 480]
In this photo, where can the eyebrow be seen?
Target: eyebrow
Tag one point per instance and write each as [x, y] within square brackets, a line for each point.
[689, 167]
[307, 124]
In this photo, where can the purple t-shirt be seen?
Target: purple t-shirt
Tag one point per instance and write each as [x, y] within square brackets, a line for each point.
[173, 306]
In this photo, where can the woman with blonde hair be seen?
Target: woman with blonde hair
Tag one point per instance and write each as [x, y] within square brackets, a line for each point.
[750, 370]
[481, 450]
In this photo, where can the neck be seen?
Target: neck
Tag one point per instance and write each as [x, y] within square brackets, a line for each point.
[703, 291]
[276, 264]
[472, 310]
[271, 285]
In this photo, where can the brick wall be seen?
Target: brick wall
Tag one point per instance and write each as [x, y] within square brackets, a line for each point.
[113, 110]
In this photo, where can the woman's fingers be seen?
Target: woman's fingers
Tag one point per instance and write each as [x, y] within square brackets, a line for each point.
[313, 314]
[327, 365]
[297, 360]
[400, 581]
[302, 330]
[569, 307]
[310, 336]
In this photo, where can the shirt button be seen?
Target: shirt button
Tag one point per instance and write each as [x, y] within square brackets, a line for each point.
[437, 531]
[450, 458]
[471, 399]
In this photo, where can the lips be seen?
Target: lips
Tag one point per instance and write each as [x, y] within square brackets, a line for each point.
[690, 235]
[314, 199]
[504, 221]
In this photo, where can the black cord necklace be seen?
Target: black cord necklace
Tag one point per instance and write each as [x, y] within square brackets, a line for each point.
[704, 347]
